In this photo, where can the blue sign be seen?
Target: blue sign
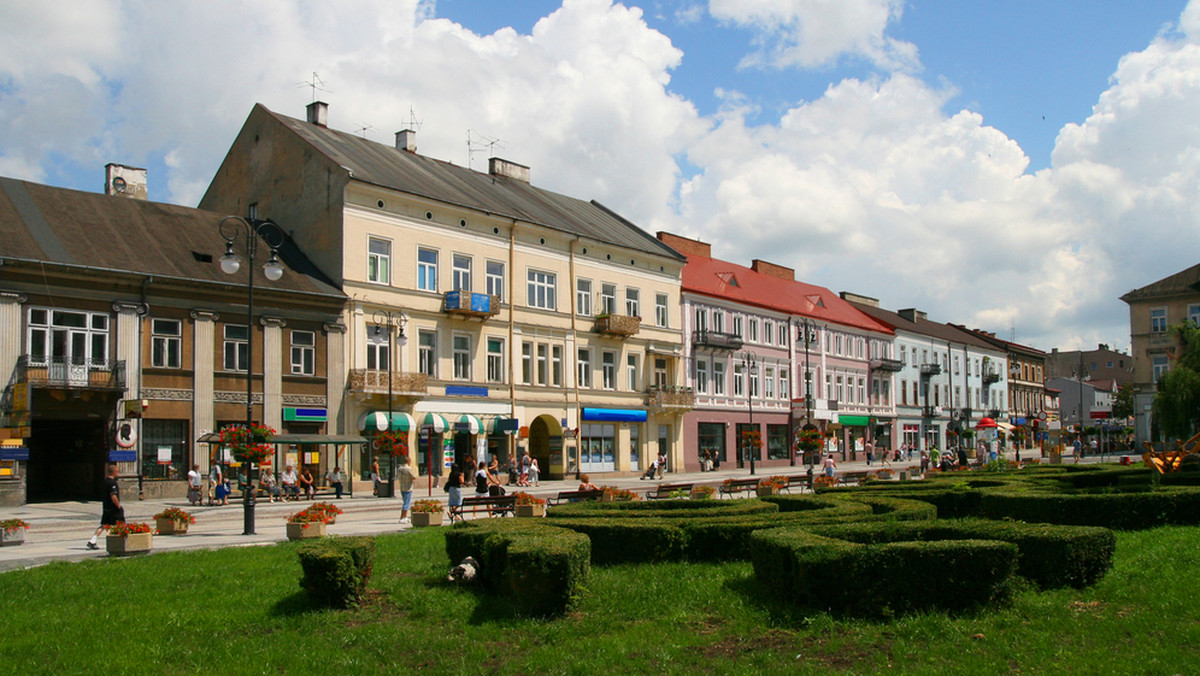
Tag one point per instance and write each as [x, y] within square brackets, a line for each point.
[122, 456]
[466, 391]
[14, 453]
[613, 415]
[481, 302]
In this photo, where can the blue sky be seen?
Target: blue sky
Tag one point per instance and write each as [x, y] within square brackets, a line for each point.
[1014, 166]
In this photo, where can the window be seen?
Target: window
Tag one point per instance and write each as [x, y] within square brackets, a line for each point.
[777, 442]
[1158, 320]
[718, 321]
[462, 357]
[427, 272]
[584, 367]
[379, 260]
[608, 299]
[556, 365]
[495, 360]
[904, 355]
[377, 349]
[237, 347]
[660, 310]
[65, 336]
[660, 372]
[737, 326]
[783, 334]
[527, 363]
[583, 297]
[159, 434]
[785, 390]
[956, 371]
[753, 337]
[904, 393]
[633, 302]
[841, 388]
[768, 331]
[304, 353]
[427, 353]
[739, 380]
[754, 390]
[769, 382]
[462, 272]
[1193, 317]
[1159, 367]
[718, 378]
[541, 290]
[702, 377]
[701, 319]
[608, 369]
[632, 375]
[166, 343]
[543, 363]
[711, 438]
[495, 280]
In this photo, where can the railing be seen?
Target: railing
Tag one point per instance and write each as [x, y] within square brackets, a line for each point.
[994, 414]
[617, 325]
[717, 340]
[372, 381]
[886, 364]
[63, 372]
[471, 305]
[930, 411]
[928, 370]
[991, 377]
[671, 397]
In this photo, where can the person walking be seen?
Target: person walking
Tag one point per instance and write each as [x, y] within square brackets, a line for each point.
[870, 449]
[111, 511]
[194, 482]
[534, 471]
[829, 465]
[405, 479]
[375, 478]
[215, 478]
[454, 486]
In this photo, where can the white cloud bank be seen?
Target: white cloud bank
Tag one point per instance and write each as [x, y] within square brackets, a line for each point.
[874, 187]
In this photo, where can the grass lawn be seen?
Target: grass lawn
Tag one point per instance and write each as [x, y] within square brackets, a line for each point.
[241, 611]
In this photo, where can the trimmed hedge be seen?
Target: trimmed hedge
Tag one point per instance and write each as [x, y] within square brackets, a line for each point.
[660, 509]
[335, 570]
[1122, 511]
[875, 580]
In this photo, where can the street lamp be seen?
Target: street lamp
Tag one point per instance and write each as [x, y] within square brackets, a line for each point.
[752, 377]
[231, 228]
[394, 323]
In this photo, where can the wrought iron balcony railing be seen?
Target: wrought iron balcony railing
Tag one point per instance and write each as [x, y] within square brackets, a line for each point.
[716, 340]
[671, 397]
[617, 325]
[471, 305]
[371, 381]
[67, 373]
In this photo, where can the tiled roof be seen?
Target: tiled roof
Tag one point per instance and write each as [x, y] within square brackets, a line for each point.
[737, 283]
[1180, 282]
[924, 327]
[389, 167]
[119, 234]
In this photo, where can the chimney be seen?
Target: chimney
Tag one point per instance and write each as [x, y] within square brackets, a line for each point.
[499, 167]
[123, 181]
[318, 113]
[850, 297]
[773, 270]
[685, 246]
[406, 140]
[911, 314]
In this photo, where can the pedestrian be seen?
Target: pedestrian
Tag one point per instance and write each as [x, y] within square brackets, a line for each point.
[829, 465]
[334, 477]
[481, 481]
[524, 481]
[870, 448]
[534, 470]
[936, 456]
[194, 481]
[266, 481]
[514, 473]
[405, 479]
[376, 481]
[662, 465]
[306, 483]
[215, 479]
[454, 487]
[290, 490]
[111, 511]
[924, 461]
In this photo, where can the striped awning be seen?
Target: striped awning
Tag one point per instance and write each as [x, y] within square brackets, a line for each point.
[435, 420]
[473, 423]
[378, 421]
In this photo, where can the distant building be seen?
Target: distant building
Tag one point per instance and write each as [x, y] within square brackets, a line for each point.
[1099, 364]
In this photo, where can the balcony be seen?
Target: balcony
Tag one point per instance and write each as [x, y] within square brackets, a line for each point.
[930, 370]
[677, 398]
[930, 411]
[370, 381]
[71, 374]
[716, 340]
[991, 378]
[471, 305]
[886, 365]
[622, 326]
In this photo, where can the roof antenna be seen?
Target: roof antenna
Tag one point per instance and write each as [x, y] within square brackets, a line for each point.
[362, 131]
[413, 123]
[316, 84]
[481, 144]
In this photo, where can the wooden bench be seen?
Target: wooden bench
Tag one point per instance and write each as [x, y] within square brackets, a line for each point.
[498, 505]
[663, 491]
[798, 480]
[848, 478]
[576, 496]
[731, 486]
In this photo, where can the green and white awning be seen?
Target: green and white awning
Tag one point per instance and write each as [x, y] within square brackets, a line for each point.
[378, 421]
[435, 420]
[473, 424]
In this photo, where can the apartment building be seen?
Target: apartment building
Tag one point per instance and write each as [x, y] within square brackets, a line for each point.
[121, 340]
[498, 316]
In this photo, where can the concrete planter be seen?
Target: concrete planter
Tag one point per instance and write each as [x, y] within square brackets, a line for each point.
[134, 543]
[425, 519]
[764, 491]
[297, 531]
[531, 510]
[171, 526]
[12, 538]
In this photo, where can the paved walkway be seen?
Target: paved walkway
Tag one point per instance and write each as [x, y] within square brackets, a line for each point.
[60, 530]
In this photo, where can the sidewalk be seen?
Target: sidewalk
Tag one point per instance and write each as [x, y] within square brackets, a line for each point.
[59, 531]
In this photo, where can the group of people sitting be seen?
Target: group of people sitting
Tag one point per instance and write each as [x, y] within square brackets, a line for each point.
[289, 486]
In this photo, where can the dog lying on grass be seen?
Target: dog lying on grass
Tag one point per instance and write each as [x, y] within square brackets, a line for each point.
[464, 572]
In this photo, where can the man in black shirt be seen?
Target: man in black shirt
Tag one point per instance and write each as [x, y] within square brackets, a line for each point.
[111, 512]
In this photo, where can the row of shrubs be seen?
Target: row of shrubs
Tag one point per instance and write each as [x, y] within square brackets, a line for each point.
[335, 570]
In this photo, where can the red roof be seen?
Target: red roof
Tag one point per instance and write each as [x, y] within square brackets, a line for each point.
[729, 281]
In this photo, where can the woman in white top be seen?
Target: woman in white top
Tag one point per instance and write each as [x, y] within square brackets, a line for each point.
[829, 465]
[533, 471]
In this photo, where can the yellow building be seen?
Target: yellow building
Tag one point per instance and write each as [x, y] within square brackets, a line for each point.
[503, 317]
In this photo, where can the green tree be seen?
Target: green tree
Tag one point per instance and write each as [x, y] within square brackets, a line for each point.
[1177, 405]
[1123, 406]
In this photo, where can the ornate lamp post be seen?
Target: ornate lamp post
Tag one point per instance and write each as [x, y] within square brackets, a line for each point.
[751, 376]
[393, 323]
[232, 228]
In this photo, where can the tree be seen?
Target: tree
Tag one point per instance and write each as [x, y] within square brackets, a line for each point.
[1123, 405]
[1177, 405]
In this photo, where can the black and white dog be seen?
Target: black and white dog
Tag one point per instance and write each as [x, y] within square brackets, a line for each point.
[464, 572]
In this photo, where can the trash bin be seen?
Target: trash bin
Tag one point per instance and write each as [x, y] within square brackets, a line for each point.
[385, 490]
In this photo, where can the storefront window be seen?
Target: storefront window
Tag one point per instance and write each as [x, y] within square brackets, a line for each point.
[777, 442]
[711, 438]
[164, 449]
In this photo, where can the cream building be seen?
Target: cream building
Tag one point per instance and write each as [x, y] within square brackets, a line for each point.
[505, 318]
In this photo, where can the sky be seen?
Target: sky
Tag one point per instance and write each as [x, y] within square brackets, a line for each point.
[1013, 166]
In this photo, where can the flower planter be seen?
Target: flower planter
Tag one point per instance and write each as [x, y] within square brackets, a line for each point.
[171, 526]
[297, 531]
[423, 519]
[764, 491]
[12, 538]
[531, 510]
[700, 495]
[134, 543]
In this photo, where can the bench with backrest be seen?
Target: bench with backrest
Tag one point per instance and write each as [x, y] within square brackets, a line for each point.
[492, 505]
[799, 481]
[576, 496]
[855, 478]
[663, 491]
[732, 486]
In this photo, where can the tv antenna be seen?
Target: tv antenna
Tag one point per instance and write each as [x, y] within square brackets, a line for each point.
[413, 123]
[362, 131]
[316, 84]
[479, 144]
